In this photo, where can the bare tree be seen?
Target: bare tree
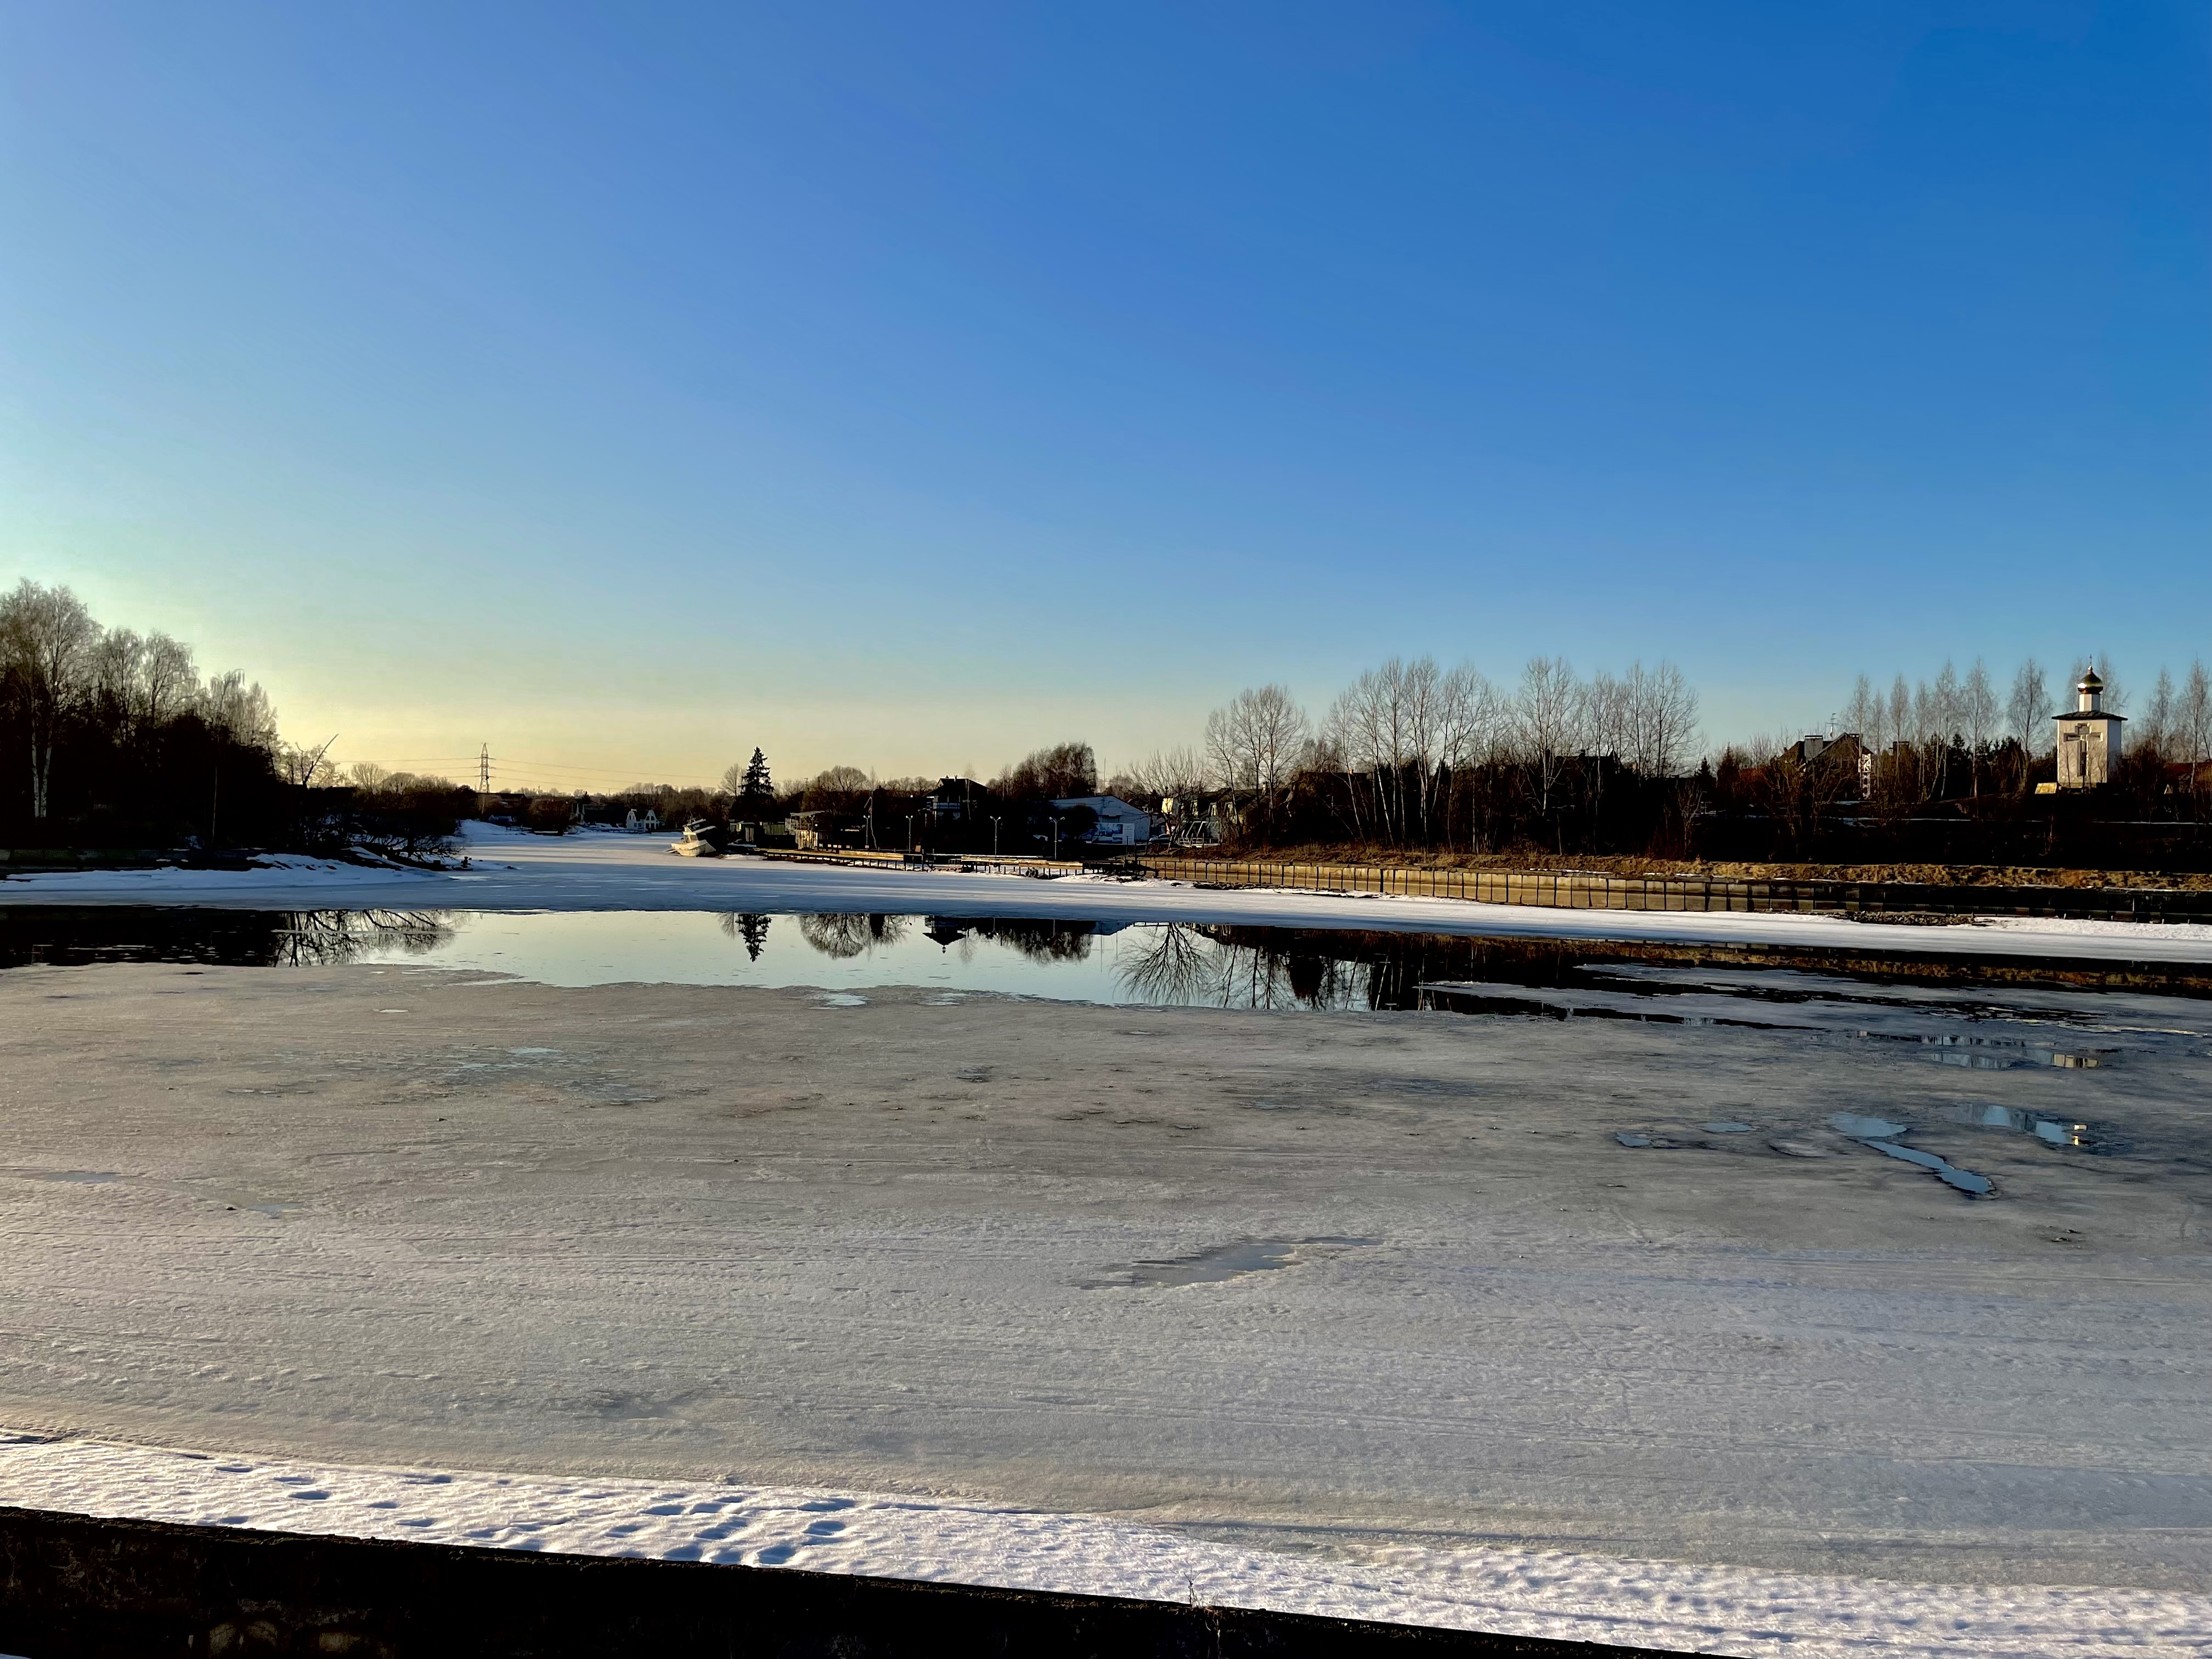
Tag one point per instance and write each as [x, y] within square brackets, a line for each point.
[1406, 727]
[2029, 710]
[1661, 719]
[2194, 717]
[170, 679]
[240, 711]
[1547, 723]
[1163, 774]
[1939, 721]
[298, 764]
[47, 639]
[2157, 733]
[1608, 716]
[117, 668]
[368, 777]
[1256, 740]
[1863, 715]
[1977, 717]
[1054, 772]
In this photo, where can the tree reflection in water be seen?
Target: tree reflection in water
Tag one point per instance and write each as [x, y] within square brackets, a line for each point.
[1045, 941]
[331, 938]
[1181, 965]
[750, 929]
[843, 936]
[1040, 941]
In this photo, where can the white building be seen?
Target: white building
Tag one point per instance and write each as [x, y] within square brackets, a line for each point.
[1120, 824]
[2088, 737]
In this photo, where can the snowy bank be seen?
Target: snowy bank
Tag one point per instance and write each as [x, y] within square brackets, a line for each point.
[1562, 1596]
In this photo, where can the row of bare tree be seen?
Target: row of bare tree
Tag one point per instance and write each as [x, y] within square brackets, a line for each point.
[1399, 745]
[1955, 734]
[93, 715]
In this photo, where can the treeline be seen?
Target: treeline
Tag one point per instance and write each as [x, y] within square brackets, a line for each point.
[110, 737]
[843, 806]
[1949, 770]
[1413, 755]
[113, 739]
[1410, 755]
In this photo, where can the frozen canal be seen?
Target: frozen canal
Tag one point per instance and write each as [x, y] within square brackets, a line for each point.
[1383, 1258]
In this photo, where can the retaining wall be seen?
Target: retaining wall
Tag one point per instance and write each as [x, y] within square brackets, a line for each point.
[1588, 891]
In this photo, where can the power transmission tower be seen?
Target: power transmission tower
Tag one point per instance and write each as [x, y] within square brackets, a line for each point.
[484, 769]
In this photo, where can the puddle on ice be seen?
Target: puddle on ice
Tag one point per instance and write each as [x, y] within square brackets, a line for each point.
[2052, 1131]
[1877, 1133]
[1864, 1128]
[1964, 1180]
[1227, 1262]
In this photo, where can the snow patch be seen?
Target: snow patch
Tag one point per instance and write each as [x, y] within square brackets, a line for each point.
[1550, 1594]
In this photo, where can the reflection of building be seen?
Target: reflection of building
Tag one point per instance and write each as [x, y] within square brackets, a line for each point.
[2088, 737]
[1119, 823]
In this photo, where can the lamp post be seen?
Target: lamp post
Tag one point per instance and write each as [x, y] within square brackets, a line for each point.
[1055, 837]
[994, 838]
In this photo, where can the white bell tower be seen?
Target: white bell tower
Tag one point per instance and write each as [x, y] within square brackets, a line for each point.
[2089, 736]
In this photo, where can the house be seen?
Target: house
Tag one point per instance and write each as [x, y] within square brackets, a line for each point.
[1119, 823]
[1204, 820]
[1845, 748]
[2088, 737]
[642, 824]
[958, 800]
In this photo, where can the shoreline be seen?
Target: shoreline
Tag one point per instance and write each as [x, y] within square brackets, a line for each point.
[513, 871]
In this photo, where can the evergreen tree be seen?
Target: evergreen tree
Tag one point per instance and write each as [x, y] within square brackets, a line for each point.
[758, 785]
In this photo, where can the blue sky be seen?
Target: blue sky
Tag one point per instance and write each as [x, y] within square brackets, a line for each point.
[624, 386]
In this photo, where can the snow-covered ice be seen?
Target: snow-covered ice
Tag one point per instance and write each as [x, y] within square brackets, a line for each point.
[1554, 1594]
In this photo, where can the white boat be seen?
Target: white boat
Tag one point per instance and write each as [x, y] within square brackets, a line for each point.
[694, 844]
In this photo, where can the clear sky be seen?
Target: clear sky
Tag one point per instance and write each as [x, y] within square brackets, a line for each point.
[903, 384]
